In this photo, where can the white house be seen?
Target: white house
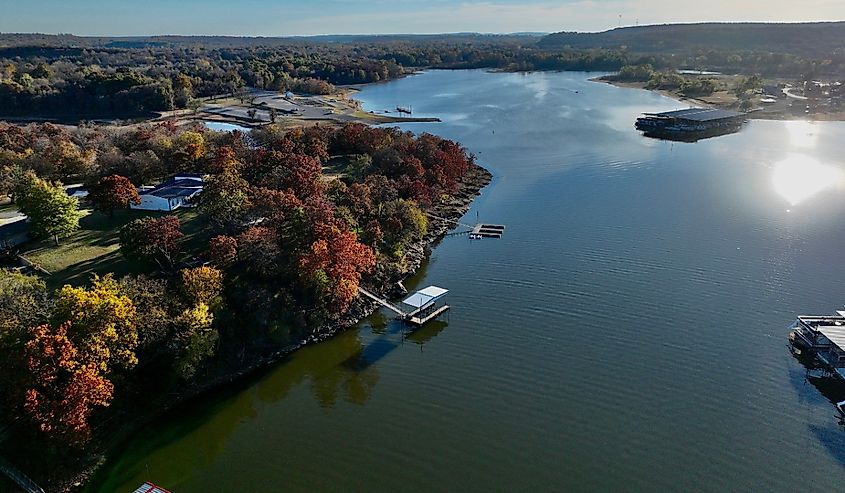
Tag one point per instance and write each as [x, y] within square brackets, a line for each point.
[172, 194]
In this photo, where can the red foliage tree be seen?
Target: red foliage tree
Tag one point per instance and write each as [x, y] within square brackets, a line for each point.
[113, 192]
[223, 250]
[152, 239]
[259, 247]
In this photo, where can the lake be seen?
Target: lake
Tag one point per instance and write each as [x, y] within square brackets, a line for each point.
[628, 332]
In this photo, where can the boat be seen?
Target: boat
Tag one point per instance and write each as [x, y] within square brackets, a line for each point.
[805, 333]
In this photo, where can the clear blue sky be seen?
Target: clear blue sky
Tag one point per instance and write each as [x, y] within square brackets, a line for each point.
[303, 17]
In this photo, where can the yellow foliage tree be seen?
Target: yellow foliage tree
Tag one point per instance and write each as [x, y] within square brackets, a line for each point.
[103, 323]
[202, 285]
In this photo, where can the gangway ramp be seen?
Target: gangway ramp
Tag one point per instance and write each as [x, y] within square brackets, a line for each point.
[383, 302]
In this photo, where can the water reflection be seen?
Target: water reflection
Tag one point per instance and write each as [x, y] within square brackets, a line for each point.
[802, 134]
[426, 333]
[799, 177]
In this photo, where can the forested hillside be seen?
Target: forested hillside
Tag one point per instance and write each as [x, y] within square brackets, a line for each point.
[804, 39]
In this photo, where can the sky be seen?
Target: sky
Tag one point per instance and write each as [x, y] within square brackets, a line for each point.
[309, 17]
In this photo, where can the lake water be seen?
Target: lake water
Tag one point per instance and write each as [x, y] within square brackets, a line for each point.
[628, 333]
[224, 127]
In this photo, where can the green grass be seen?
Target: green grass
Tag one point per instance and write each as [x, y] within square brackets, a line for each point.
[95, 247]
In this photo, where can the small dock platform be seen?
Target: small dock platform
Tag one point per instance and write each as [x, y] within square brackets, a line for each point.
[487, 231]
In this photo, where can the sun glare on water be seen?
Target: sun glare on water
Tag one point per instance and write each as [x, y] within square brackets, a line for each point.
[802, 134]
[799, 177]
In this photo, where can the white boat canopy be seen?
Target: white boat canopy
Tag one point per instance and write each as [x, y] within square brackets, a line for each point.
[841, 313]
[425, 296]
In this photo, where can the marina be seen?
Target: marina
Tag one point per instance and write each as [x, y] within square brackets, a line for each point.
[690, 125]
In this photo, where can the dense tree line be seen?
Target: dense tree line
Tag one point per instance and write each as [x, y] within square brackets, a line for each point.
[89, 77]
[288, 248]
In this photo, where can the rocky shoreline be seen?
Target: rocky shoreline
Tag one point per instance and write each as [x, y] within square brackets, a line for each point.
[389, 284]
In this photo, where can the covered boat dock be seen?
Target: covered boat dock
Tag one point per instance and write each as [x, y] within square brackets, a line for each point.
[425, 305]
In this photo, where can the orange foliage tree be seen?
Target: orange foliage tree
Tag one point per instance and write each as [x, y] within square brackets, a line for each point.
[63, 390]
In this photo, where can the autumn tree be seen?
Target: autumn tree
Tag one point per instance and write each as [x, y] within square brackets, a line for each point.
[24, 303]
[155, 307]
[225, 197]
[223, 250]
[334, 265]
[188, 148]
[62, 389]
[196, 339]
[103, 323]
[150, 239]
[259, 248]
[51, 212]
[201, 285]
[113, 192]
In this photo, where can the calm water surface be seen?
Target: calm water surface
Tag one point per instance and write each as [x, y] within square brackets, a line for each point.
[628, 333]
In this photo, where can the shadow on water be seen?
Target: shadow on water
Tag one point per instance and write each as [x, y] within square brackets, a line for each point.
[833, 440]
[426, 333]
[689, 137]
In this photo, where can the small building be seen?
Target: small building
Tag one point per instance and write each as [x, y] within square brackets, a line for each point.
[14, 232]
[179, 191]
[78, 190]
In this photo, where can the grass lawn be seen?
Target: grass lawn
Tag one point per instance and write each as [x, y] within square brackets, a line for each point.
[95, 247]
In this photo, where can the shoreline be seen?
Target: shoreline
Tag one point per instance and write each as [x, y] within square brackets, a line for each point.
[759, 113]
[471, 187]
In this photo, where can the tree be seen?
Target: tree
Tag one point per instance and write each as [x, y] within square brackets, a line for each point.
[155, 308]
[24, 303]
[51, 212]
[63, 390]
[334, 265]
[223, 250]
[225, 197]
[196, 337]
[103, 323]
[259, 248]
[155, 240]
[201, 285]
[113, 192]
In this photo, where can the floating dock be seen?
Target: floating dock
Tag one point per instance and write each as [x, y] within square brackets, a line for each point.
[691, 124]
[823, 337]
[487, 231]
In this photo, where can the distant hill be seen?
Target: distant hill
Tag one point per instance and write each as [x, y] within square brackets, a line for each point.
[15, 40]
[805, 39]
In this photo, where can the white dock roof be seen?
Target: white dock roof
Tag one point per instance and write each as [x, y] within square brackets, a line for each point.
[425, 296]
[834, 333]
